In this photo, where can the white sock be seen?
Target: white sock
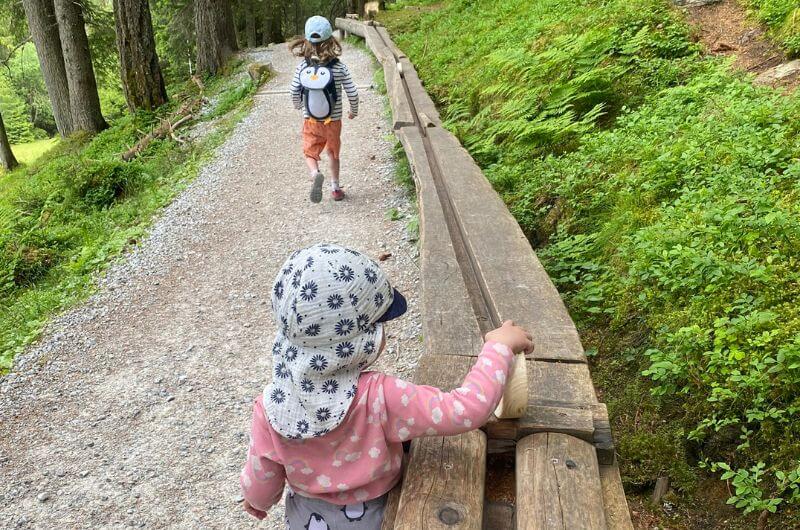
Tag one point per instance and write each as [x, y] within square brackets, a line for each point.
[334, 185]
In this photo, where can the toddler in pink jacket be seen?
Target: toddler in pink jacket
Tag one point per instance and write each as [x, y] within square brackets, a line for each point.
[328, 431]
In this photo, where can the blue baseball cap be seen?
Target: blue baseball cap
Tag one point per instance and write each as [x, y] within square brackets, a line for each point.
[318, 29]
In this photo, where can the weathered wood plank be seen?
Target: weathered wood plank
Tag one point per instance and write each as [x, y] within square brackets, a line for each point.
[398, 100]
[519, 286]
[448, 323]
[444, 485]
[376, 45]
[560, 384]
[390, 513]
[397, 52]
[561, 487]
[422, 101]
[538, 418]
[618, 515]
[602, 439]
[350, 26]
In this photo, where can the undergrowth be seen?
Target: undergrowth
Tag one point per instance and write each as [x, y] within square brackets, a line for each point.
[782, 17]
[64, 217]
[661, 191]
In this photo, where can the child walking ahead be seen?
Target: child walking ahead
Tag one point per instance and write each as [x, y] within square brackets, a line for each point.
[328, 429]
[317, 89]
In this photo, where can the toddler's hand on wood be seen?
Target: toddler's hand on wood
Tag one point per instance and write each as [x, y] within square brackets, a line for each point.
[512, 336]
[258, 514]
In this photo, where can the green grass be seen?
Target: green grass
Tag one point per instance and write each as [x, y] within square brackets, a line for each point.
[660, 190]
[67, 215]
[782, 17]
[30, 152]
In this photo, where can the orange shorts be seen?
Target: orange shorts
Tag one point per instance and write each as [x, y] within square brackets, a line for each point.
[319, 135]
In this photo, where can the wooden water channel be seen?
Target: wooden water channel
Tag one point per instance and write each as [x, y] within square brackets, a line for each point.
[478, 269]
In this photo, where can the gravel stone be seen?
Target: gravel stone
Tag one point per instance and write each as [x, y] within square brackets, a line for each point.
[87, 398]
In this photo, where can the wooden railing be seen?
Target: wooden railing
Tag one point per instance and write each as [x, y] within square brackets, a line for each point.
[477, 270]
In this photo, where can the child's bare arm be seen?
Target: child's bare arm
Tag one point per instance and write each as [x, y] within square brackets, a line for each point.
[262, 479]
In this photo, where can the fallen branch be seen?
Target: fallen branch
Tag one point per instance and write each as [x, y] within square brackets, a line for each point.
[168, 127]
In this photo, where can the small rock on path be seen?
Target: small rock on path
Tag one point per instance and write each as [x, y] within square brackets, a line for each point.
[134, 409]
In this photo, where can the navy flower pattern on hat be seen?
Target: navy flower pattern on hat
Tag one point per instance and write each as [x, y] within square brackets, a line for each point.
[278, 396]
[344, 350]
[309, 291]
[330, 386]
[296, 278]
[345, 274]
[281, 371]
[319, 363]
[335, 301]
[344, 327]
[325, 299]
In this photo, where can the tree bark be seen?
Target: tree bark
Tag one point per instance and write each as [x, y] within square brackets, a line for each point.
[272, 22]
[361, 8]
[250, 21]
[216, 35]
[7, 158]
[83, 98]
[41, 18]
[140, 72]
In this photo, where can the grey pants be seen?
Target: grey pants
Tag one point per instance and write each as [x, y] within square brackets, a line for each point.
[304, 513]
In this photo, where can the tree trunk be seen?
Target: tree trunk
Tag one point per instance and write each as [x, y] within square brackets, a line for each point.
[250, 21]
[272, 22]
[216, 36]
[83, 98]
[7, 158]
[361, 8]
[141, 76]
[41, 18]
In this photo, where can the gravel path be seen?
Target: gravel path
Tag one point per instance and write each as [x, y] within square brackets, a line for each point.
[133, 409]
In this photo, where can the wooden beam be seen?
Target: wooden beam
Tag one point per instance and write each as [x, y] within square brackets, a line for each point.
[561, 486]
[618, 516]
[519, 287]
[443, 487]
[539, 418]
[350, 26]
[449, 326]
[560, 385]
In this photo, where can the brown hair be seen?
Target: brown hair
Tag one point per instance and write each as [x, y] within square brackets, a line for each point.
[324, 51]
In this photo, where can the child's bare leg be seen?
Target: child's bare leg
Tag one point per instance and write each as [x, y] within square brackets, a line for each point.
[334, 174]
[316, 187]
[313, 165]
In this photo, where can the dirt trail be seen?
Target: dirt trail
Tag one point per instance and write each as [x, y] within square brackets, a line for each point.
[133, 410]
[725, 29]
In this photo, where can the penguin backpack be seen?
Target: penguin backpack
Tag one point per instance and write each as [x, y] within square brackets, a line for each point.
[318, 89]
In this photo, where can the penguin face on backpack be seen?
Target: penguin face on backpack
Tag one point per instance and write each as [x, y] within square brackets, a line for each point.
[318, 88]
[315, 77]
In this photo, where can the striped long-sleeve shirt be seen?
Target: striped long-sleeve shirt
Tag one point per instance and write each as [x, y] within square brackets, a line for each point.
[342, 80]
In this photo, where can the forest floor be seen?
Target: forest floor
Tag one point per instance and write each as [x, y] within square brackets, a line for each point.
[724, 28]
[134, 409]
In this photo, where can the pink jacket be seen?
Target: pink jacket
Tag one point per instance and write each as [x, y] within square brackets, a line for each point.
[361, 459]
